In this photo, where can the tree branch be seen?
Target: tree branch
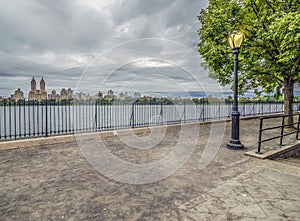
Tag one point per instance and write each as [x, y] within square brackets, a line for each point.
[296, 70]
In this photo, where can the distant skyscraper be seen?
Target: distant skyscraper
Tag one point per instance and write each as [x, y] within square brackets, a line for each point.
[42, 85]
[37, 95]
[33, 84]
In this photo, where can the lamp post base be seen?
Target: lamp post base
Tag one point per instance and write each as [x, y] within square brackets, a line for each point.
[235, 145]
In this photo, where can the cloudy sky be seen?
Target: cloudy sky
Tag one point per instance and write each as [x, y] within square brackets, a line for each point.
[148, 46]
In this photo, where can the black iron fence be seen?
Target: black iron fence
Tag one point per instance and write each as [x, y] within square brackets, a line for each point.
[47, 118]
[294, 129]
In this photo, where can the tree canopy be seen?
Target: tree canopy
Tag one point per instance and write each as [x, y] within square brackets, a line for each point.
[269, 57]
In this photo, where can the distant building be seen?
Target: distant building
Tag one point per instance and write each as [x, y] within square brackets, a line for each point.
[66, 94]
[121, 95]
[99, 95]
[37, 95]
[53, 95]
[82, 96]
[110, 94]
[18, 95]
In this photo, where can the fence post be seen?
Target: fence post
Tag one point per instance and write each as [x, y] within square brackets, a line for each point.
[298, 127]
[46, 118]
[132, 116]
[15, 117]
[219, 109]
[282, 129]
[184, 111]
[4, 119]
[161, 113]
[96, 115]
[260, 134]
[24, 115]
[10, 119]
[203, 111]
[33, 118]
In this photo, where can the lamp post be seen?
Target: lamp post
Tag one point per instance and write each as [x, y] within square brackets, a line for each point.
[235, 41]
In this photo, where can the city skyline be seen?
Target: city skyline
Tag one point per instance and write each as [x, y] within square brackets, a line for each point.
[44, 92]
[41, 93]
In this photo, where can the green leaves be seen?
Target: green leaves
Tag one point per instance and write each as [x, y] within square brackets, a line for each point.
[268, 56]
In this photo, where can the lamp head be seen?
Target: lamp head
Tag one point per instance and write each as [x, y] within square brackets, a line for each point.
[236, 39]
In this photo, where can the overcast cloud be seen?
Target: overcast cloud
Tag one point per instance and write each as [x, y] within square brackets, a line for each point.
[148, 46]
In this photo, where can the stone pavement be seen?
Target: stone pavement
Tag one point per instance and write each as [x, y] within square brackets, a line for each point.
[258, 194]
[56, 182]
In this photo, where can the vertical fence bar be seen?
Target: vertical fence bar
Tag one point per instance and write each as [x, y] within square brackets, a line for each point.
[62, 116]
[184, 111]
[38, 119]
[46, 118]
[50, 116]
[95, 119]
[79, 116]
[91, 112]
[1, 122]
[203, 107]
[298, 127]
[69, 110]
[10, 119]
[161, 113]
[66, 117]
[282, 130]
[4, 119]
[20, 125]
[42, 115]
[29, 124]
[73, 116]
[55, 110]
[132, 116]
[33, 119]
[15, 120]
[260, 134]
[85, 116]
[24, 115]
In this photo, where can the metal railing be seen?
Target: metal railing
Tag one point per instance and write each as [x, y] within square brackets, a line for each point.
[281, 127]
[20, 120]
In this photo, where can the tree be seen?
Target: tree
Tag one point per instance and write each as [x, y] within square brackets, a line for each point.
[269, 57]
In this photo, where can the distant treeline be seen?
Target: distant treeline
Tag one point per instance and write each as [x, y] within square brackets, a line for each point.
[150, 100]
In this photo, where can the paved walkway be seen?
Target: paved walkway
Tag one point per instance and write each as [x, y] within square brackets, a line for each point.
[56, 182]
[258, 194]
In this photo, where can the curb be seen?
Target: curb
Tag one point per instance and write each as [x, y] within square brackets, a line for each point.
[284, 152]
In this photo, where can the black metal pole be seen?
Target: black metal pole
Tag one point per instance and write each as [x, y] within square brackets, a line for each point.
[235, 142]
[46, 118]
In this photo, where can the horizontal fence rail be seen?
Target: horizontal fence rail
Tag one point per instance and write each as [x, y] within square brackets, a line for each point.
[47, 118]
[281, 126]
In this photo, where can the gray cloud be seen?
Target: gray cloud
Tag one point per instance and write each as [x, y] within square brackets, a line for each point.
[38, 26]
[80, 43]
[132, 9]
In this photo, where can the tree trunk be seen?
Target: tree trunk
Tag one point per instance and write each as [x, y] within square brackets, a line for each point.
[288, 101]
